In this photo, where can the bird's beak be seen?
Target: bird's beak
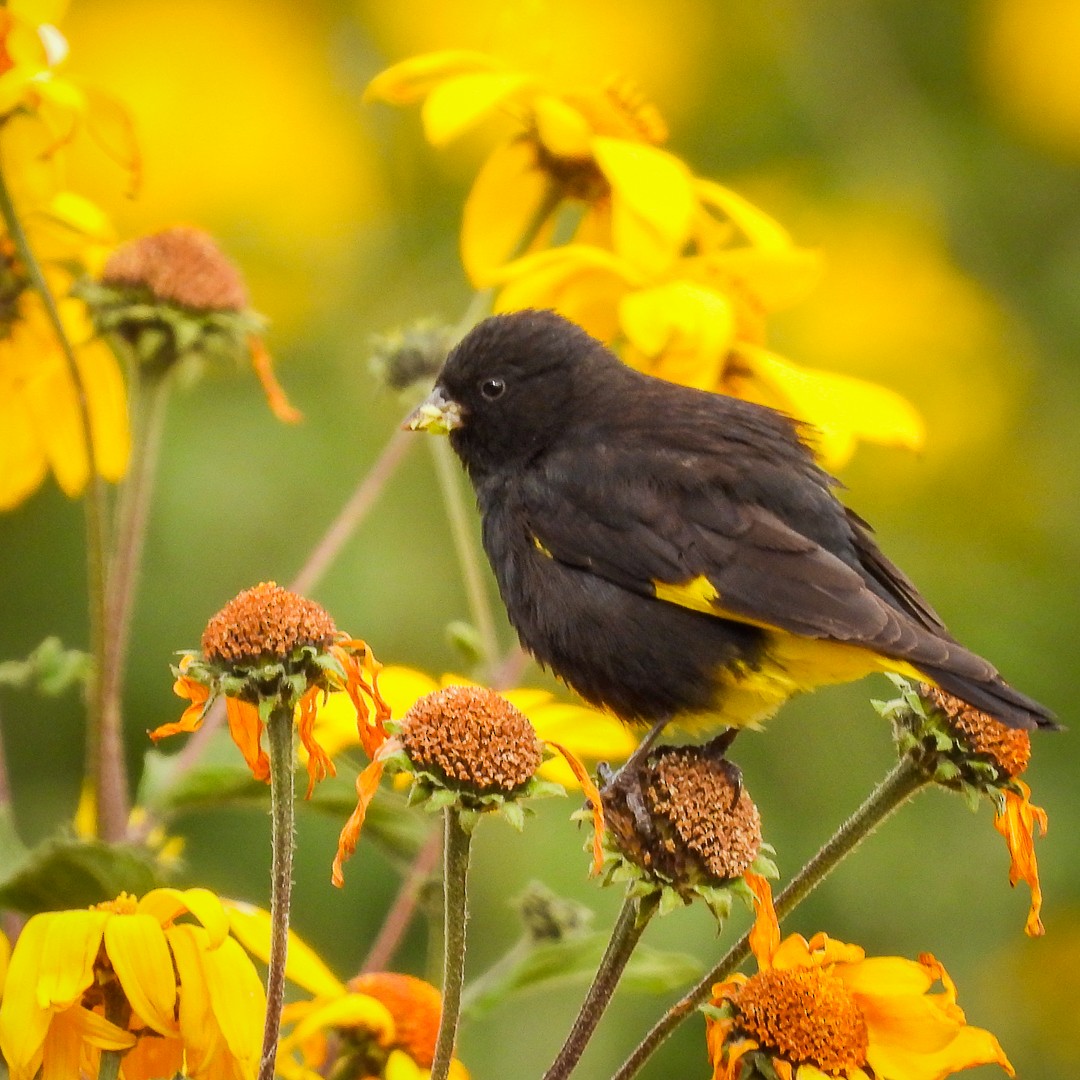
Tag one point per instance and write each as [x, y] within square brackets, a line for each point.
[437, 414]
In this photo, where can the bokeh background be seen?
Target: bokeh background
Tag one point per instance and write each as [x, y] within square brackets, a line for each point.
[929, 149]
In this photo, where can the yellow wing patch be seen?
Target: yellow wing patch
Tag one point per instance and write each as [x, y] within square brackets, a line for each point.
[539, 545]
[700, 594]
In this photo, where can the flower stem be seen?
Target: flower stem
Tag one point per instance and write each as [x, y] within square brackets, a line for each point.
[472, 575]
[149, 397]
[354, 511]
[105, 752]
[629, 927]
[280, 741]
[898, 786]
[456, 849]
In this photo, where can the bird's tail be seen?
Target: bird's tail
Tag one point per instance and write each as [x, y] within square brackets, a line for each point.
[996, 697]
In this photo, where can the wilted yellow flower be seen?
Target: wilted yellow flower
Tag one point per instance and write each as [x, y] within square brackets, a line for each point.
[270, 646]
[820, 1008]
[586, 732]
[597, 147]
[127, 975]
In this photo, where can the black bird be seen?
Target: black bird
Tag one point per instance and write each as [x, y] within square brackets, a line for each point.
[672, 554]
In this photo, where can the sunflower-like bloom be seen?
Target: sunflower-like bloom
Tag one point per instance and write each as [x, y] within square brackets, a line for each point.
[269, 648]
[701, 322]
[821, 1008]
[587, 733]
[382, 1024]
[469, 747]
[173, 996]
[597, 147]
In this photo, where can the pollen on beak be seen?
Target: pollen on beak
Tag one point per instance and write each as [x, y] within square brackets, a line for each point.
[437, 415]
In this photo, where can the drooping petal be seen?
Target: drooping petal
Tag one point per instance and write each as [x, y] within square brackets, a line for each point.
[251, 927]
[237, 1000]
[506, 203]
[319, 765]
[140, 955]
[192, 717]
[367, 783]
[346, 1010]
[246, 729]
[765, 934]
[166, 904]
[760, 230]
[1017, 822]
[23, 1020]
[581, 774]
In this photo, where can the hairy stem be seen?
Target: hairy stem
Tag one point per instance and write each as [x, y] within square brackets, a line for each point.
[106, 767]
[456, 850]
[899, 785]
[629, 927]
[280, 740]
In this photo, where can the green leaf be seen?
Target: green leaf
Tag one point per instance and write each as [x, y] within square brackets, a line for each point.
[50, 669]
[66, 872]
[210, 784]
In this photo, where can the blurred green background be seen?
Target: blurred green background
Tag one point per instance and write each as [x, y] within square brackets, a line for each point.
[929, 149]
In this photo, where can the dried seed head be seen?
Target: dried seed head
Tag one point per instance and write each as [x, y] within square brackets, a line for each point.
[1008, 748]
[473, 737]
[702, 825]
[266, 621]
[415, 1005]
[182, 266]
[807, 1016]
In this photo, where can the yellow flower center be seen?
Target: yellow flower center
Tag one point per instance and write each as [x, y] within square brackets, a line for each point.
[266, 621]
[807, 1016]
[124, 904]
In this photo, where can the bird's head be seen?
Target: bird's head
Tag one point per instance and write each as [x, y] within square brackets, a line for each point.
[509, 388]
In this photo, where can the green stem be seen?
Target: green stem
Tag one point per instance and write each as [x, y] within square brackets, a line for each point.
[456, 850]
[901, 784]
[476, 590]
[279, 730]
[629, 927]
[149, 397]
[105, 752]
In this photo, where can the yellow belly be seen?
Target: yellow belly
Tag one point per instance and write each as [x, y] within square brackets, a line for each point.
[748, 695]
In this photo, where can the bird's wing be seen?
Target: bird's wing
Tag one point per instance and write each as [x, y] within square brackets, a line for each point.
[673, 530]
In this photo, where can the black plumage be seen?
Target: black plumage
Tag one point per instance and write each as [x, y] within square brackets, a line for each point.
[671, 553]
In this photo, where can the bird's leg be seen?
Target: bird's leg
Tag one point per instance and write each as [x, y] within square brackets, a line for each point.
[624, 784]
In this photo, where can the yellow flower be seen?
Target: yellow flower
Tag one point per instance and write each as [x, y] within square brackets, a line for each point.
[1017, 820]
[820, 1008]
[382, 1024]
[584, 731]
[39, 412]
[127, 975]
[269, 646]
[595, 147]
[701, 323]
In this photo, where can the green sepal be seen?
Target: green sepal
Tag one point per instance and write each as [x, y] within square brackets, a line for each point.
[50, 669]
[67, 872]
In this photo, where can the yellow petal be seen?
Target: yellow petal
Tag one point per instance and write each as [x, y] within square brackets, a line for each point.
[402, 687]
[346, 1010]
[251, 927]
[70, 945]
[455, 106]
[561, 128]
[841, 408]
[581, 282]
[775, 279]
[22, 462]
[23, 1020]
[237, 999]
[759, 229]
[416, 77]
[140, 956]
[687, 330]
[399, 1066]
[885, 976]
[199, 1030]
[166, 905]
[94, 1029]
[652, 202]
[502, 208]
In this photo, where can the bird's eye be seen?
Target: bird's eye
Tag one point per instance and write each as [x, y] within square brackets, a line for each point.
[493, 388]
